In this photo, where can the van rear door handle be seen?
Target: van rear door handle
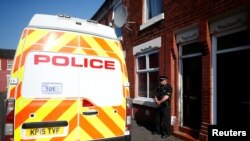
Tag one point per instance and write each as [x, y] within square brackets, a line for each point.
[89, 113]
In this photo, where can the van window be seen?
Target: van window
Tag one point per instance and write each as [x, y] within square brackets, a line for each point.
[61, 75]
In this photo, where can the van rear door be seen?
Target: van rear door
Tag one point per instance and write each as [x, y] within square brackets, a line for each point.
[71, 96]
[48, 105]
[102, 112]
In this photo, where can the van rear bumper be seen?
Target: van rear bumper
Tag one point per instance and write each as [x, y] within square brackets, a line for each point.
[123, 138]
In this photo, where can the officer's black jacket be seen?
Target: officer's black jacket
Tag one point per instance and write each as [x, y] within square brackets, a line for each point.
[163, 90]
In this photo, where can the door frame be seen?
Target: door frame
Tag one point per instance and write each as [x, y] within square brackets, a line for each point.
[180, 74]
[214, 66]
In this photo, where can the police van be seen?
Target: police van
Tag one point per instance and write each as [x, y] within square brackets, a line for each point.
[68, 83]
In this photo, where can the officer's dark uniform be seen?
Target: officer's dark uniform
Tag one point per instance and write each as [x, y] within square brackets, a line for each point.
[163, 111]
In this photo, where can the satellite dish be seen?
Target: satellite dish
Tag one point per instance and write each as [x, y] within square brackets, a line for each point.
[120, 16]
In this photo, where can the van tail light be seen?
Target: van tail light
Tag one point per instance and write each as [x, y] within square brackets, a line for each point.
[128, 113]
[87, 103]
[9, 120]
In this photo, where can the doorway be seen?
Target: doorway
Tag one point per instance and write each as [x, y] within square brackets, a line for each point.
[192, 92]
[233, 79]
[191, 67]
[233, 73]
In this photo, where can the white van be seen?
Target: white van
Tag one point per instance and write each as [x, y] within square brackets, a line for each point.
[69, 82]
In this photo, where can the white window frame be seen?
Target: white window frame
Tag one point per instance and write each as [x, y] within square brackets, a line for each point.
[214, 66]
[9, 65]
[141, 100]
[149, 46]
[148, 22]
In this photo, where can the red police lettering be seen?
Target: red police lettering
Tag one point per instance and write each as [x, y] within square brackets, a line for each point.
[95, 63]
[60, 61]
[71, 61]
[109, 65]
[85, 62]
[41, 58]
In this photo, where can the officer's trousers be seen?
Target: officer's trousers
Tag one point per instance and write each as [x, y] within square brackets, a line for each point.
[163, 120]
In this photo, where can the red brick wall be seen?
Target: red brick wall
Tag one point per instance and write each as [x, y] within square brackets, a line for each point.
[178, 14]
[204, 39]
[135, 37]
[3, 63]
[3, 73]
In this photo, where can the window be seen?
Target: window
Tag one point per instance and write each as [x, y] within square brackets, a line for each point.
[9, 64]
[192, 48]
[237, 39]
[118, 32]
[153, 8]
[147, 74]
[153, 13]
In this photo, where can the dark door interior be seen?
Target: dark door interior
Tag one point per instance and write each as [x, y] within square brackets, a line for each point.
[192, 86]
[233, 88]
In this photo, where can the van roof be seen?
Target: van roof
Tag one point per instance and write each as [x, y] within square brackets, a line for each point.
[67, 23]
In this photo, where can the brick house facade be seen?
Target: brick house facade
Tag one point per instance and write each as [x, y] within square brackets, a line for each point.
[6, 60]
[202, 46]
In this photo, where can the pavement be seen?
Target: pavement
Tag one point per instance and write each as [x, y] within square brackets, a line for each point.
[143, 133]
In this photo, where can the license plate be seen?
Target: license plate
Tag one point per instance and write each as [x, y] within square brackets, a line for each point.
[45, 132]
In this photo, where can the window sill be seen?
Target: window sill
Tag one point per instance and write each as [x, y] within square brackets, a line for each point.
[149, 102]
[152, 21]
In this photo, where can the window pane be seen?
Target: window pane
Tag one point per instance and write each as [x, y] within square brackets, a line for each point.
[142, 89]
[191, 48]
[153, 60]
[118, 32]
[9, 65]
[153, 83]
[234, 40]
[154, 8]
[141, 62]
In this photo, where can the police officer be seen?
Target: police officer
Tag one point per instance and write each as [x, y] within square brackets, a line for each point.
[163, 114]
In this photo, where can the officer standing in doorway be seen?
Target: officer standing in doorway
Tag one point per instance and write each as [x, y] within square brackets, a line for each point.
[163, 114]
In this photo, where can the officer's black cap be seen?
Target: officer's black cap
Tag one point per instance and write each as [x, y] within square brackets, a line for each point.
[161, 78]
